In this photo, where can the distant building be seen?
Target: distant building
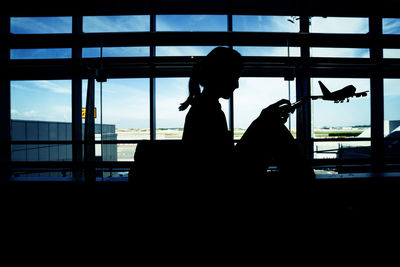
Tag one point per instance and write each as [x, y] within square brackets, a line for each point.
[25, 130]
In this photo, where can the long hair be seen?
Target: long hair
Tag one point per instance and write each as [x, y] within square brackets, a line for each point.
[219, 59]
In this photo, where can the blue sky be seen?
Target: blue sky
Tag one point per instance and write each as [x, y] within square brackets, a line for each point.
[126, 101]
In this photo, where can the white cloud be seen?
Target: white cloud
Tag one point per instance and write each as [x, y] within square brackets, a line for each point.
[41, 25]
[116, 23]
[338, 25]
[340, 52]
[24, 115]
[391, 26]
[53, 86]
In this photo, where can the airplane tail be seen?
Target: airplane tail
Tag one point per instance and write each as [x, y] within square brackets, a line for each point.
[324, 90]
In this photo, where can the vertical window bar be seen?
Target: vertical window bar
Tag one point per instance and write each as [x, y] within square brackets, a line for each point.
[5, 108]
[231, 103]
[76, 96]
[377, 116]
[303, 122]
[152, 82]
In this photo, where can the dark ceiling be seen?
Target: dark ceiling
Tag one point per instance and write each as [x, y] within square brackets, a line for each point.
[384, 8]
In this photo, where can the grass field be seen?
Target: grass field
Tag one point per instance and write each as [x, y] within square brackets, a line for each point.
[176, 133]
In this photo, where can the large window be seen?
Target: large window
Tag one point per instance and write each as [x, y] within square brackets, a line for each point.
[148, 74]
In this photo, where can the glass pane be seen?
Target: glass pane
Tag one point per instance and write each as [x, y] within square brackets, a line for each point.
[342, 150]
[43, 53]
[137, 23]
[170, 92]
[339, 25]
[392, 117]
[251, 23]
[255, 94]
[190, 23]
[339, 52]
[391, 53]
[391, 26]
[41, 111]
[41, 100]
[41, 25]
[175, 51]
[126, 116]
[268, 51]
[340, 120]
[125, 106]
[137, 51]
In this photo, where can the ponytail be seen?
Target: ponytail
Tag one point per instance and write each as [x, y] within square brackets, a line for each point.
[194, 87]
[217, 60]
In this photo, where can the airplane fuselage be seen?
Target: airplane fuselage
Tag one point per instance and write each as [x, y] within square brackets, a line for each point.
[340, 95]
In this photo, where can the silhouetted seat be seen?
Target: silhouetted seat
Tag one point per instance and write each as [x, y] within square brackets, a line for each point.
[157, 163]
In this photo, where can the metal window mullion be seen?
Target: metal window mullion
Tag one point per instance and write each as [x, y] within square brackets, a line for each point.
[5, 105]
[377, 101]
[76, 95]
[303, 120]
[152, 82]
[231, 100]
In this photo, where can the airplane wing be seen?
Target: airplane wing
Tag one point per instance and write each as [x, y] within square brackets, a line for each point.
[314, 97]
[364, 93]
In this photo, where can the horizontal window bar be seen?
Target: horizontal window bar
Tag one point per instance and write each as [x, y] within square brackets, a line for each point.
[202, 39]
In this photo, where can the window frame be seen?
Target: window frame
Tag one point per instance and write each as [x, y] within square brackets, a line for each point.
[152, 67]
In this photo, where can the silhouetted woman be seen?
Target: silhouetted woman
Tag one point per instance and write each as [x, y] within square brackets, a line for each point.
[210, 151]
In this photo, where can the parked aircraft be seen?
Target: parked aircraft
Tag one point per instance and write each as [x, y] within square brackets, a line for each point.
[340, 95]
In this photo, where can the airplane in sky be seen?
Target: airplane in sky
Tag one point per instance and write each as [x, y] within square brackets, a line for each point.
[340, 95]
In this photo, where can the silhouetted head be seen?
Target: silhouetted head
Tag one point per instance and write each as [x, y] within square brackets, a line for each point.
[218, 73]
